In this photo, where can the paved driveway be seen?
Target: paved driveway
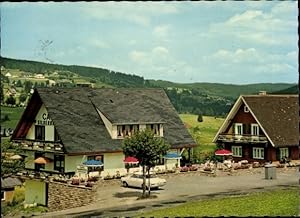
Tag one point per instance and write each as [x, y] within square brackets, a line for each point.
[119, 201]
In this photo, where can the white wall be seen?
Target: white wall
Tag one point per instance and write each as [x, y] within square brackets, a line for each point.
[106, 122]
[71, 162]
[113, 160]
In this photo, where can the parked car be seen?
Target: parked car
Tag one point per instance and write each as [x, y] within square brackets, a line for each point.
[136, 180]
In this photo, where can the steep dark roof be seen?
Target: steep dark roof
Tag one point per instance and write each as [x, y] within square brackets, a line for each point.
[278, 115]
[82, 130]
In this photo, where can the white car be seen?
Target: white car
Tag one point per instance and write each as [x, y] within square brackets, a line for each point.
[136, 180]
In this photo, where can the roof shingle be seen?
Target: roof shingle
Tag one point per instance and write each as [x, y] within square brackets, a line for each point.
[279, 116]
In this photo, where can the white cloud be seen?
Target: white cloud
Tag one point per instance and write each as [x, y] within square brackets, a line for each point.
[261, 27]
[99, 43]
[160, 51]
[153, 56]
[249, 55]
[244, 17]
[161, 31]
[136, 12]
[138, 56]
[284, 8]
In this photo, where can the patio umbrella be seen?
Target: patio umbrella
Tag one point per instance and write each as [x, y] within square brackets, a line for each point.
[131, 160]
[16, 157]
[172, 156]
[93, 163]
[42, 160]
[223, 152]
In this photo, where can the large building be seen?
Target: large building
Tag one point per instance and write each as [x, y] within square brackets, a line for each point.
[68, 126]
[262, 128]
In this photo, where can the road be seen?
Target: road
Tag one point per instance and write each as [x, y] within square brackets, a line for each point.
[119, 201]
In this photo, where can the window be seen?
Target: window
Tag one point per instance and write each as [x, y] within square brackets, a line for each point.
[238, 129]
[155, 128]
[126, 130]
[119, 129]
[135, 128]
[254, 129]
[236, 151]
[40, 132]
[284, 153]
[246, 109]
[258, 153]
[59, 163]
[38, 167]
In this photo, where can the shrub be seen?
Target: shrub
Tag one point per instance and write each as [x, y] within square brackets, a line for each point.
[19, 195]
[10, 100]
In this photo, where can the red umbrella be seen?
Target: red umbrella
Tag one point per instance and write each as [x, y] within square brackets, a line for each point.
[223, 152]
[131, 160]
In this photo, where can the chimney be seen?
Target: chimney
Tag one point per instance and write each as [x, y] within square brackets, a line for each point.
[262, 93]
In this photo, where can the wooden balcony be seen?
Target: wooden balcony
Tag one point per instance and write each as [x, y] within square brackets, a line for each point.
[54, 147]
[242, 138]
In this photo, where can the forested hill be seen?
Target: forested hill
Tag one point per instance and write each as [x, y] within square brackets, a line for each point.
[106, 76]
[213, 99]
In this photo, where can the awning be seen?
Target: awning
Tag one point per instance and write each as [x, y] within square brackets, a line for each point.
[131, 160]
[42, 160]
[223, 152]
[172, 156]
[93, 163]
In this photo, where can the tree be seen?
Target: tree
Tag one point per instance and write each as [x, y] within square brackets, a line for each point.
[10, 100]
[147, 149]
[200, 118]
[19, 84]
[8, 165]
[27, 86]
[2, 93]
[23, 97]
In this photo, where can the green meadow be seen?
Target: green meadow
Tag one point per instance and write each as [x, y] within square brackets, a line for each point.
[203, 133]
[281, 202]
[13, 113]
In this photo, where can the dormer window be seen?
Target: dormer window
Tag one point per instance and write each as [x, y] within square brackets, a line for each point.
[155, 128]
[246, 109]
[126, 130]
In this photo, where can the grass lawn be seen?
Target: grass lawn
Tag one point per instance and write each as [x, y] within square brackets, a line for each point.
[14, 115]
[202, 132]
[272, 203]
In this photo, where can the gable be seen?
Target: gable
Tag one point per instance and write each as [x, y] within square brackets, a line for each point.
[241, 116]
[28, 117]
[42, 119]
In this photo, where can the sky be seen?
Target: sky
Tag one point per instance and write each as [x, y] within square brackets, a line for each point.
[207, 41]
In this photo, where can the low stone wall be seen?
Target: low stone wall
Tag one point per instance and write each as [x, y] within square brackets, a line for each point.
[64, 196]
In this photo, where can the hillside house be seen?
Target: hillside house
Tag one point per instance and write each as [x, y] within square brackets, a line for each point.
[68, 126]
[262, 128]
